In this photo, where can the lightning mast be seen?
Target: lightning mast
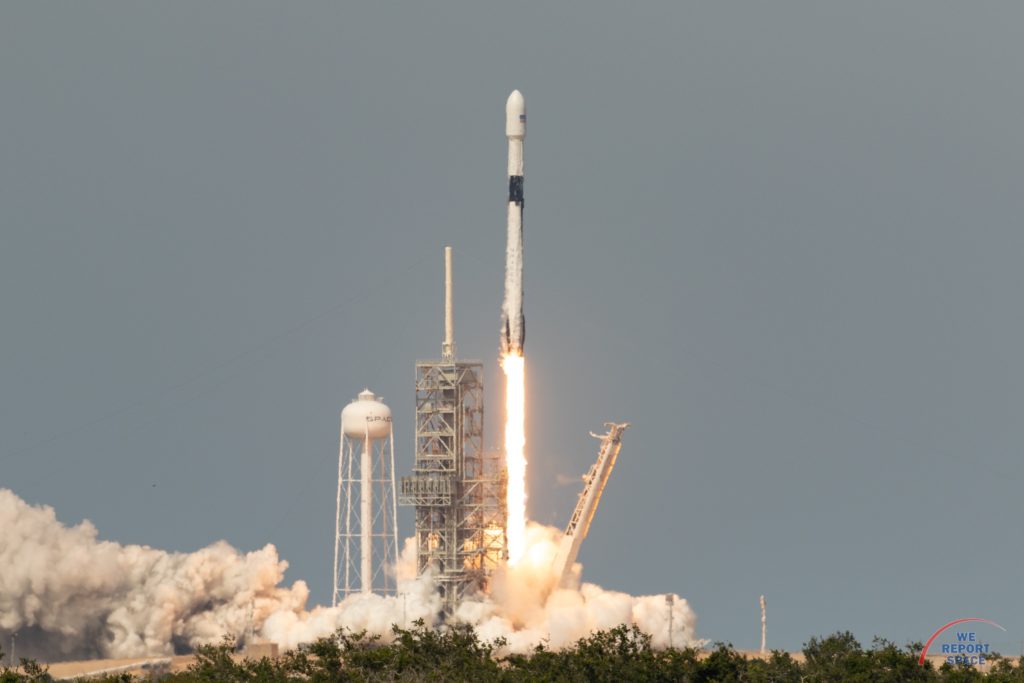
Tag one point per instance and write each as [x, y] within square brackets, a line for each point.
[764, 626]
[456, 487]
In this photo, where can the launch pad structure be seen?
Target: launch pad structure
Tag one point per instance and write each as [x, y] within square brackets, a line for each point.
[457, 488]
[594, 482]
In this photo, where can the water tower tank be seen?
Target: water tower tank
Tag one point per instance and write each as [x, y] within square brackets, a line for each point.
[366, 416]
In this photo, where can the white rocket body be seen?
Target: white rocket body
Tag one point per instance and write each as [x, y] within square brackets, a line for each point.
[513, 323]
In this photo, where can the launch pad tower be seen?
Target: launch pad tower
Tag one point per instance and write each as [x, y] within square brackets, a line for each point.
[457, 488]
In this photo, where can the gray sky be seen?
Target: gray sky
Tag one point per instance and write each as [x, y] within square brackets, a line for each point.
[783, 239]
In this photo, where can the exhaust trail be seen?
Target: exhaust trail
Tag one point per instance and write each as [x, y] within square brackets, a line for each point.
[514, 368]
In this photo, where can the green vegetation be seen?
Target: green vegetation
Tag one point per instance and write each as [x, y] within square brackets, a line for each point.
[28, 670]
[621, 654]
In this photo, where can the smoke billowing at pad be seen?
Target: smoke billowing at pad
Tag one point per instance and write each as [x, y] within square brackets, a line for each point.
[70, 595]
[476, 559]
[526, 606]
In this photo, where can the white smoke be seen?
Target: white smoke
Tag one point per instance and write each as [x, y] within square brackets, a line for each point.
[70, 595]
[526, 607]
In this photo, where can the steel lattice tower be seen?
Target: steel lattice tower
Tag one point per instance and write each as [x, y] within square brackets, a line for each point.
[456, 488]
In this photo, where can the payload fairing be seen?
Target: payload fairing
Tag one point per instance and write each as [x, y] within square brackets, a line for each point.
[513, 323]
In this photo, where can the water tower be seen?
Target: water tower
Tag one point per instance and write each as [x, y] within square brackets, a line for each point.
[366, 528]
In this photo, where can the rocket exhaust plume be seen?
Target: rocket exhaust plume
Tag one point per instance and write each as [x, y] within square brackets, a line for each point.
[514, 368]
[513, 332]
[69, 595]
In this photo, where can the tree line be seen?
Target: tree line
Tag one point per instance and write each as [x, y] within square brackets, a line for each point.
[619, 654]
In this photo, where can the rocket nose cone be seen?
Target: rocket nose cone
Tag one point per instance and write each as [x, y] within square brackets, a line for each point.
[515, 104]
[515, 115]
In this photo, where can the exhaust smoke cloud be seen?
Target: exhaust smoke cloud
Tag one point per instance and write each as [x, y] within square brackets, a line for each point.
[70, 595]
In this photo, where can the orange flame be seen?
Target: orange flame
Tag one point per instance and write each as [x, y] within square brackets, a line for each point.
[514, 367]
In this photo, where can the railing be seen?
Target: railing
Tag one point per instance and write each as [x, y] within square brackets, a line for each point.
[425, 491]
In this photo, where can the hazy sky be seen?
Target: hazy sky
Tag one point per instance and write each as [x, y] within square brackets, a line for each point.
[782, 239]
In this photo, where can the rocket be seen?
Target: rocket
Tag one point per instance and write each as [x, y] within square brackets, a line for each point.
[513, 324]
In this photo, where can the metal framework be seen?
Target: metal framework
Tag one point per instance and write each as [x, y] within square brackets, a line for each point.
[366, 529]
[594, 482]
[458, 490]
